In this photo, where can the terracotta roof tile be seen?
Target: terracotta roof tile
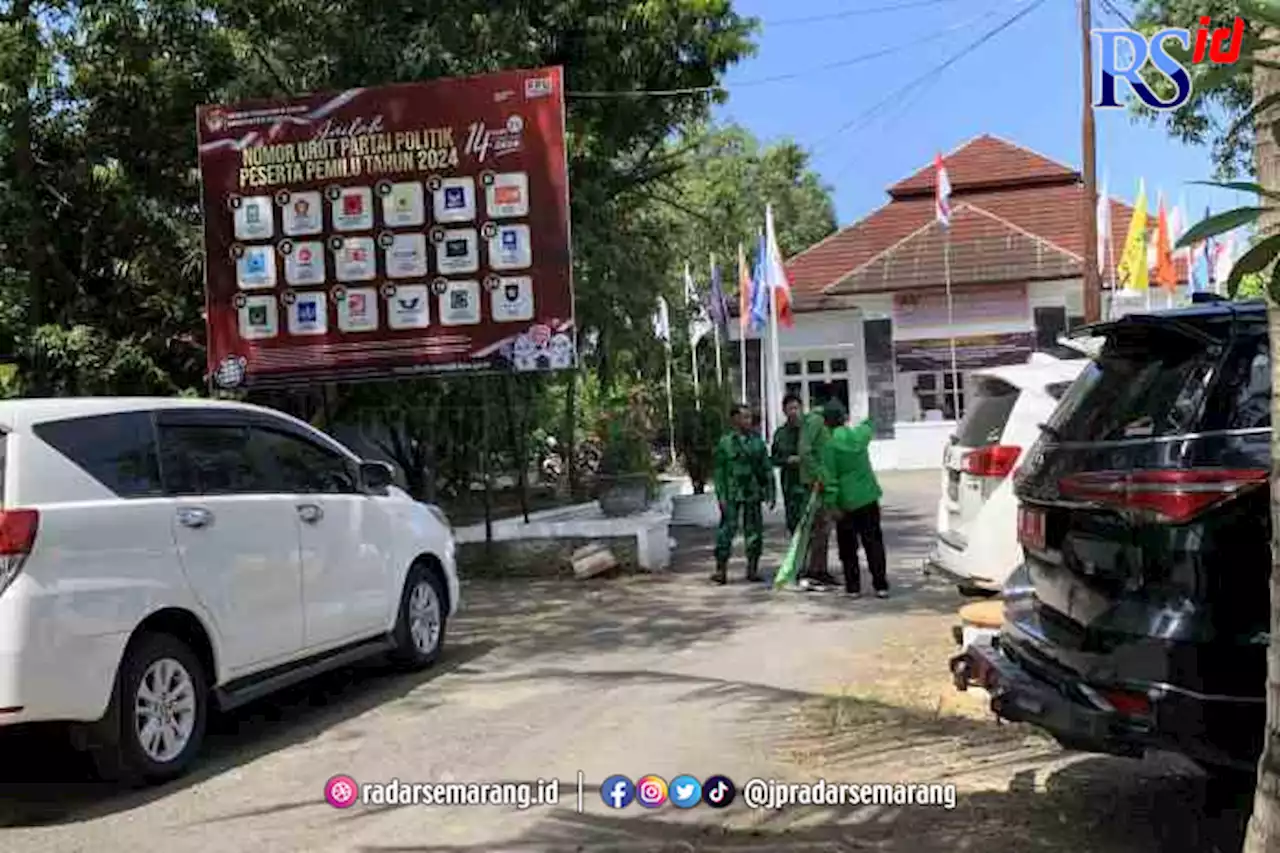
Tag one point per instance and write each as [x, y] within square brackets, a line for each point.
[984, 249]
[987, 162]
[1049, 210]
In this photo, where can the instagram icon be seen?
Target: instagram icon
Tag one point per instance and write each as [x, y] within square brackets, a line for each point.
[651, 791]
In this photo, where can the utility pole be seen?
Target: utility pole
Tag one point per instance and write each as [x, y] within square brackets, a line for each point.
[1092, 277]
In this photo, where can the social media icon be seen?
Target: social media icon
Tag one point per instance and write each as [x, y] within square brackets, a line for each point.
[617, 792]
[686, 792]
[718, 792]
[454, 198]
[340, 792]
[651, 791]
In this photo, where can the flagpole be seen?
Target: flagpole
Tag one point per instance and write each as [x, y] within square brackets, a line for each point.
[717, 320]
[671, 408]
[775, 403]
[744, 310]
[951, 323]
[764, 403]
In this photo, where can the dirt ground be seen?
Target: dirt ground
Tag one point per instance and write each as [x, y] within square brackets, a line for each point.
[654, 674]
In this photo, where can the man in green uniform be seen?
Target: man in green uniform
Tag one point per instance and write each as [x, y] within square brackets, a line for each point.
[852, 495]
[744, 480]
[814, 435]
[786, 455]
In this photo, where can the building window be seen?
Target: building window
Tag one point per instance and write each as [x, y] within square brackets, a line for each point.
[936, 395]
[806, 378]
[839, 365]
[816, 367]
[792, 368]
[795, 389]
[1051, 324]
[882, 392]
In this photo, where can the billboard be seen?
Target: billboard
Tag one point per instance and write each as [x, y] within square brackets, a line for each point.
[390, 231]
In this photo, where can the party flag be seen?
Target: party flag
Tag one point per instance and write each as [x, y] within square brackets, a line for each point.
[1132, 271]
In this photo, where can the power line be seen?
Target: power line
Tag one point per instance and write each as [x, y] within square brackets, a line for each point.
[933, 72]
[851, 13]
[780, 78]
[1115, 10]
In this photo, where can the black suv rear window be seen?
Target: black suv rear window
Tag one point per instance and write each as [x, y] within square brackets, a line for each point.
[992, 403]
[1145, 384]
[118, 450]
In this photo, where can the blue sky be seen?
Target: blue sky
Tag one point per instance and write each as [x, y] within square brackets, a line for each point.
[1024, 84]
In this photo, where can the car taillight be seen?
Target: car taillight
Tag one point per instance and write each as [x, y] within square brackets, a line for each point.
[1172, 495]
[995, 461]
[17, 536]
[1128, 703]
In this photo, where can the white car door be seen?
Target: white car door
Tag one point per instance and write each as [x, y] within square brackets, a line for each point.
[237, 539]
[346, 535]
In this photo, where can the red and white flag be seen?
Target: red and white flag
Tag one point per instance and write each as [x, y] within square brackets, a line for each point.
[942, 204]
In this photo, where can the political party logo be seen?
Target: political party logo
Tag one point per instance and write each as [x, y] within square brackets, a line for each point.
[458, 248]
[358, 255]
[540, 334]
[507, 195]
[257, 315]
[686, 792]
[253, 214]
[651, 791]
[341, 792]
[353, 204]
[455, 198]
[539, 87]
[718, 792]
[302, 208]
[1221, 47]
[357, 305]
[255, 264]
[511, 292]
[305, 255]
[306, 312]
[510, 241]
[617, 792]
[410, 305]
[459, 300]
[230, 372]
[215, 120]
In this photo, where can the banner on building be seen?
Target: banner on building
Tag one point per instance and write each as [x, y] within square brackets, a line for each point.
[388, 231]
[934, 354]
[924, 313]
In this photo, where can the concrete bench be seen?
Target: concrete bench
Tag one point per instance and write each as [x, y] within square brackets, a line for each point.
[584, 523]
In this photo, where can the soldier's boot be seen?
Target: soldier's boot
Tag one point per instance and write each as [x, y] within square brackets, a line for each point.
[721, 574]
[753, 569]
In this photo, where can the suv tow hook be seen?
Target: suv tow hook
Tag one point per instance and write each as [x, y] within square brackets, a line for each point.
[961, 671]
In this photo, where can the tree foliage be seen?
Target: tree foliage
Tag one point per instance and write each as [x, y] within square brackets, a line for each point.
[1220, 95]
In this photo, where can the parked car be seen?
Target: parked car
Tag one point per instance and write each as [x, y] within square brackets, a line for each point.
[1140, 615]
[159, 557]
[977, 540]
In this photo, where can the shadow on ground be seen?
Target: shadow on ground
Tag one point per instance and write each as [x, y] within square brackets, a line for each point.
[43, 781]
[1046, 802]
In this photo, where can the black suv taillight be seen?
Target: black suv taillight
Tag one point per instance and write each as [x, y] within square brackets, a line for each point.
[1173, 496]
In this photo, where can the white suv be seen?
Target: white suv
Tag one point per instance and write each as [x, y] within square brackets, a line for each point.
[159, 557]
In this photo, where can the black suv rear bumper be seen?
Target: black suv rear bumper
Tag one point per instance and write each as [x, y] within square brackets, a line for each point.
[1176, 725]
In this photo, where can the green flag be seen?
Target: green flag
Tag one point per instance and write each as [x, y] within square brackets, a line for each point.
[799, 547]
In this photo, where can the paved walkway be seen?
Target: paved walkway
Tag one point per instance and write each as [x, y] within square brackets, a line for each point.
[663, 675]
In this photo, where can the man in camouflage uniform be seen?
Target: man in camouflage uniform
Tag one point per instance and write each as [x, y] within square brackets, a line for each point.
[786, 455]
[744, 480]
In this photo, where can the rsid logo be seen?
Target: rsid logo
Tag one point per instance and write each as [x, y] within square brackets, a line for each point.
[1223, 48]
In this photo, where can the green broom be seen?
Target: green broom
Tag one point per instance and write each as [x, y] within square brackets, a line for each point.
[799, 548]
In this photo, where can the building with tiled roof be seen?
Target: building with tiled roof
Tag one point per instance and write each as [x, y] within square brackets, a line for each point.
[871, 312]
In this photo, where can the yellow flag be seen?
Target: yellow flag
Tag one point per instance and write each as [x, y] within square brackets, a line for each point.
[1132, 271]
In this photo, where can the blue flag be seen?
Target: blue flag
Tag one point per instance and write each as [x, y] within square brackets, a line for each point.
[760, 293]
[717, 305]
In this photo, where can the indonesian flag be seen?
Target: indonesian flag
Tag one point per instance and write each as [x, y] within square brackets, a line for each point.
[942, 202]
[775, 273]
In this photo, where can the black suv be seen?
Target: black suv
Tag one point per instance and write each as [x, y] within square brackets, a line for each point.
[1139, 617]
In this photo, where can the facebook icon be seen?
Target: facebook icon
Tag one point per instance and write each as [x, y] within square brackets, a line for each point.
[617, 792]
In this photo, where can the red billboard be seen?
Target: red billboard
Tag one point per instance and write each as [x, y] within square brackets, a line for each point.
[389, 231]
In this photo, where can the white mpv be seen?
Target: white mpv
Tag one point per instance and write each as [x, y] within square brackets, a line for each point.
[162, 557]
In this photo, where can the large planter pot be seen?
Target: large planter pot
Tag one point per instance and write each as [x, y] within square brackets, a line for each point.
[695, 510]
[624, 495]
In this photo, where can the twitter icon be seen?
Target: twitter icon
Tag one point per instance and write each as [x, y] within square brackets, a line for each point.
[686, 792]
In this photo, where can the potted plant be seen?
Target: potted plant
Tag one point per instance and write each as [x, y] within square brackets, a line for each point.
[626, 478]
[701, 422]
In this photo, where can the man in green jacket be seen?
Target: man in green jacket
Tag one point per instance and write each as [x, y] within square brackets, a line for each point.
[786, 456]
[814, 435]
[852, 496]
[744, 480]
